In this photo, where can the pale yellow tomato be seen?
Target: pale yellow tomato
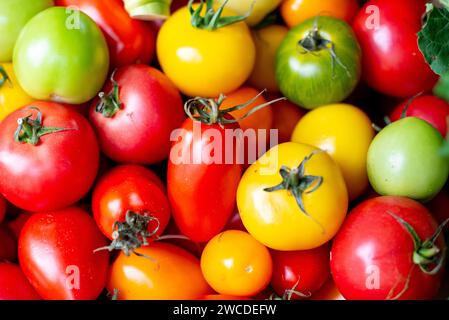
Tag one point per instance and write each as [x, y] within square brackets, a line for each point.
[12, 96]
[267, 42]
[345, 132]
[270, 205]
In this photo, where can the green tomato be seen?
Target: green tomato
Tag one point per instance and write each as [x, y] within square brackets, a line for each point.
[61, 55]
[319, 62]
[14, 14]
[404, 160]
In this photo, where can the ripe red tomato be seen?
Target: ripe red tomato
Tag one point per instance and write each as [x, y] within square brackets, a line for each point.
[130, 188]
[14, 285]
[387, 32]
[374, 256]
[2, 208]
[299, 274]
[429, 108]
[56, 253]
[8, 244]
[134, 126]
[202, 195]
[54, 170]
[129, 40]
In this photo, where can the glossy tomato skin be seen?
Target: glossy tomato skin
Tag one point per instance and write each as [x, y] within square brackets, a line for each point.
[201, 194]
[129, 188]
[64, 163]
[404, 160]
[392, 62]
[296, 11]
[14, 285]
[430, 108]
[205, 63]
[345, 132]
[12, 96]
[372, 244]
[8, 245]
[274, 218]
[245, 271]
[314, 78]
[303, 271]
[140, 131]
[72, 61]
[173, 274]
[129, 40]
[56, 253]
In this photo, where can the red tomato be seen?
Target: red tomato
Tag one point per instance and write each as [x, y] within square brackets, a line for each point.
[56, 253]
[14, 285]
[299, 274]
[235, 222]
[129, 40]
[139, 130]
[392, 62]
[55, 172]
[202, 194]
[17, 224]
[2, 208]
[429, 108]
[130, 188]
[8, 244]
[374, 256]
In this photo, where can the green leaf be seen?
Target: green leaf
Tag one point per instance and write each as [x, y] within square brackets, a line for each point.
[433, 39]
[442, 87]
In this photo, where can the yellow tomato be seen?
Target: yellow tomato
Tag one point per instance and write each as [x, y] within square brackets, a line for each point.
[267, 42]
[234, 263]
[258, 9]
[204, 62]
[274, 217]
[345, 132]
[12, 96]
[171, 274]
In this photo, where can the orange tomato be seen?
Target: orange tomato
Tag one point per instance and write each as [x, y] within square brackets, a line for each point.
[286, 116]
[171, 273]
[296, 11]
[234, 263]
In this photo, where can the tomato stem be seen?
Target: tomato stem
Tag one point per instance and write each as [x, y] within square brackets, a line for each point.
[407, 105]
[3, 76]
[212, 19]
[110, 103]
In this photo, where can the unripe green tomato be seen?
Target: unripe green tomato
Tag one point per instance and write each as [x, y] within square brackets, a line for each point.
[404, 160]
[61, 55]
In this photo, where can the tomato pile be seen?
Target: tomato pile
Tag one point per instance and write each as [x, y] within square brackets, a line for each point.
[223, 150]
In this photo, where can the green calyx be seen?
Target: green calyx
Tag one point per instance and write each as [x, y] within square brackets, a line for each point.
[427, 255]
[132, 234]
[109, 103]
[3, 76]
[30, 130]
[207, 111]
[212, 19]
[298, 183]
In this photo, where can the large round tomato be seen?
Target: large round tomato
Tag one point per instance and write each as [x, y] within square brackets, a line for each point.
[299, 274]
[14, 14]
[430, 108]
[51, 168]
[129, 40]
[319, 62]
[127, 191]
[267, 41]
[376, 254]
[345, 132]
[56, 253]
[14, 285]
[167, 272]
[296, 11]
[12, 96]
[257, 10]
[404, 160]
[234, 263]
[68, 64]
[204, 62]
[138, 111]
[293, 198]
[387, 32]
